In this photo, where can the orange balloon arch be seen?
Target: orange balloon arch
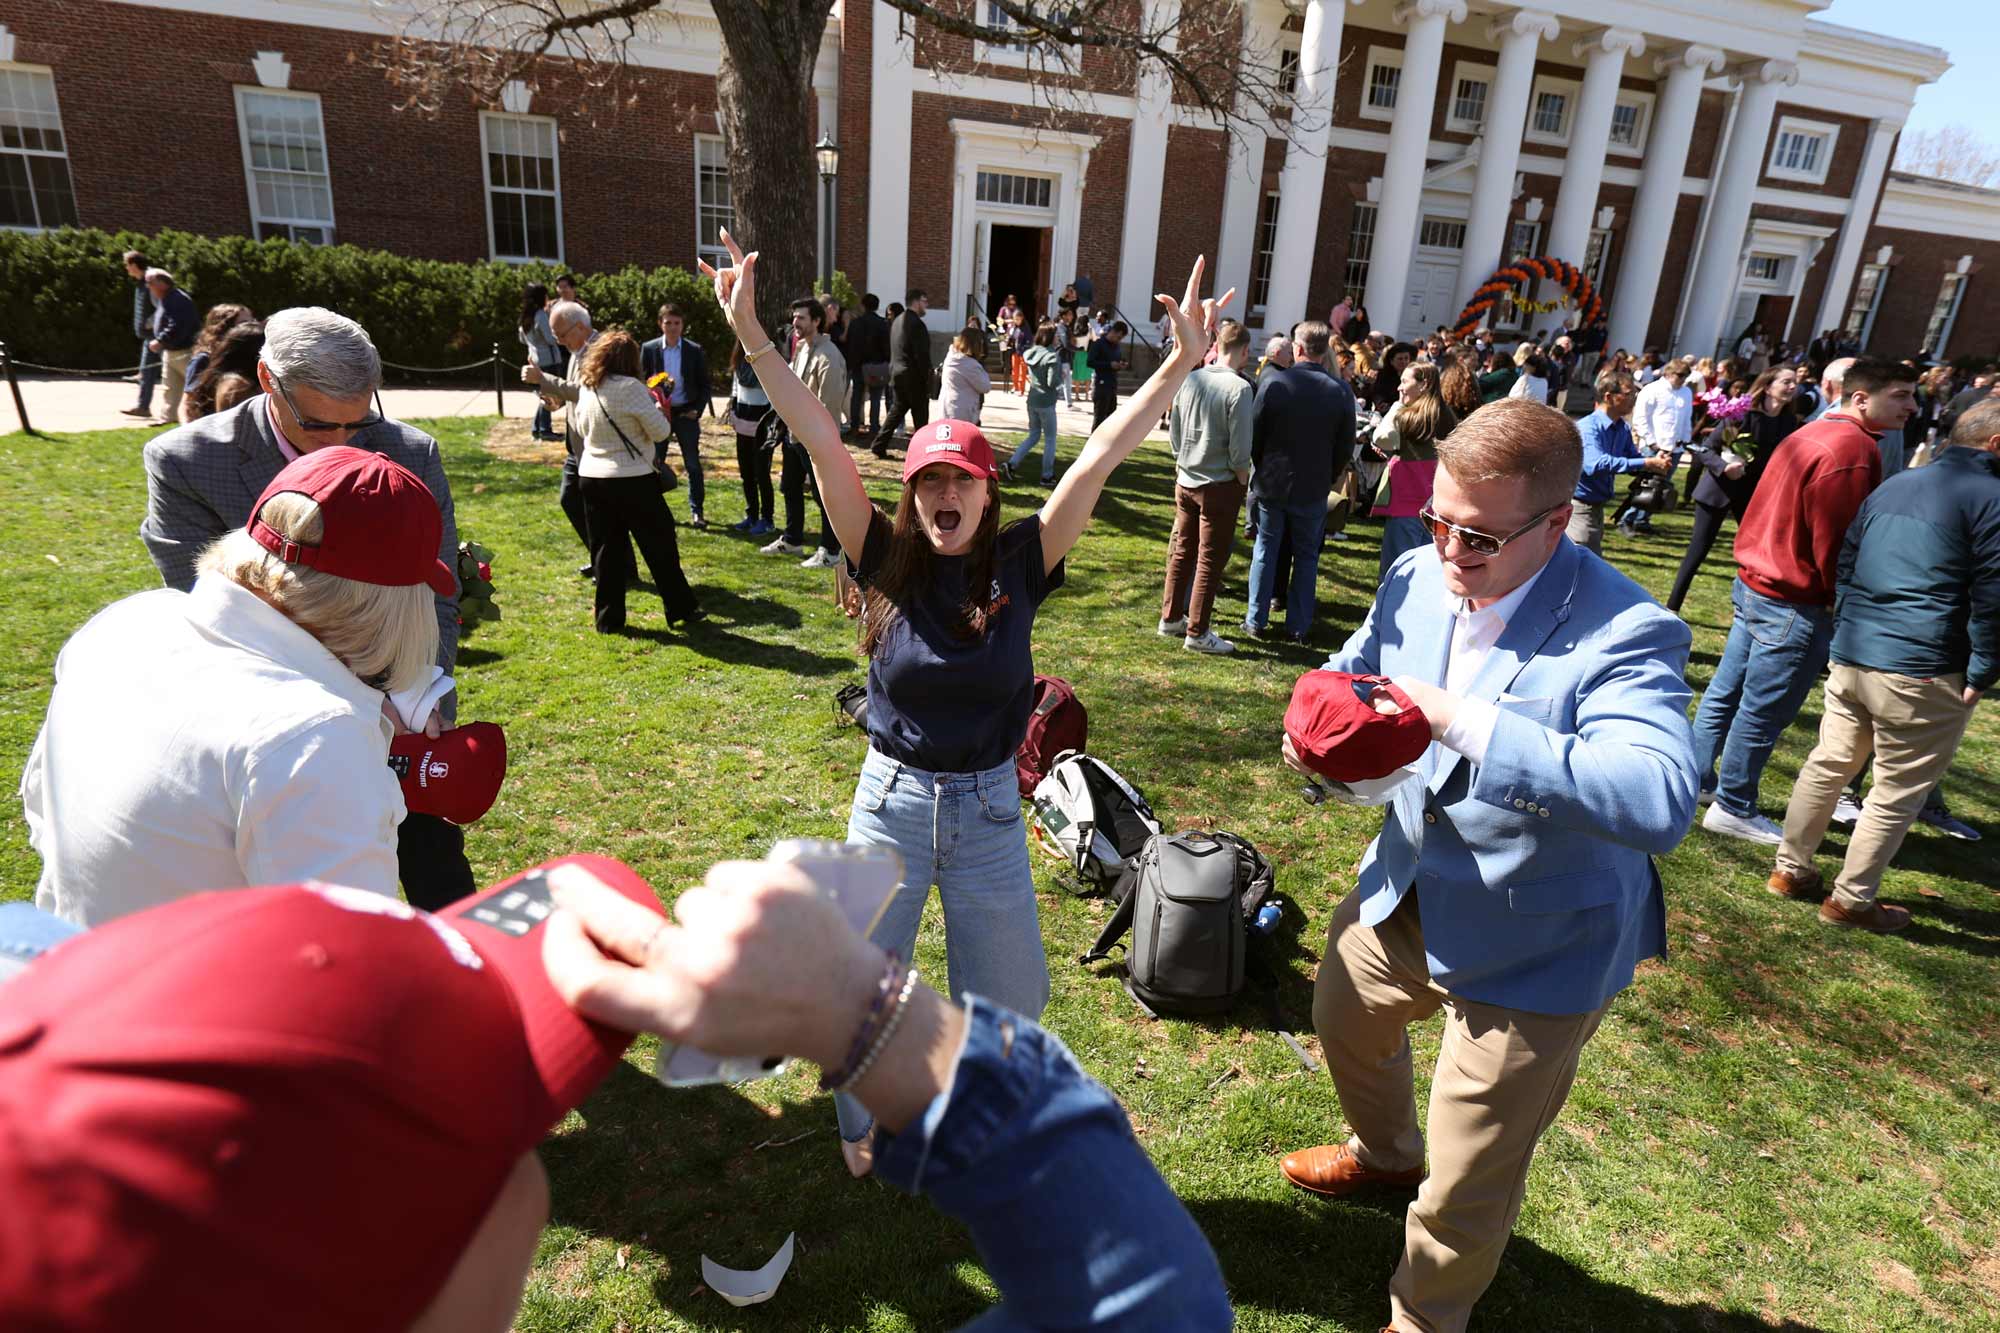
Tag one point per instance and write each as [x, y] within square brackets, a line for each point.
[1514, 277]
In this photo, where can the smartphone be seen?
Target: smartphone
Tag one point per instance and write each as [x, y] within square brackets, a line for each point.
[860, 880]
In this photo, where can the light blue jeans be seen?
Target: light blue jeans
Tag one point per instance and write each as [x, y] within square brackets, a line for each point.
[1300, 526]
[962, 832]
[1774, 653]
[1042, 426]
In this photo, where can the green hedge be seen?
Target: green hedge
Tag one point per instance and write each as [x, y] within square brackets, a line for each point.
[65, 299]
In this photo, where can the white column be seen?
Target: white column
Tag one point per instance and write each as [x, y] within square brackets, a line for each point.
[1589, 138]
[1396, 217]
[890, 92]
[1146, 174]
[1659, 194]
[1712, 286]
[1861, 211]
[1243, 174]
[1304, 173]
[1518, 35]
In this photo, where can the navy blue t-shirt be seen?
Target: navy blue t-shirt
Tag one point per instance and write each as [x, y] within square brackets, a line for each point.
[937, 699]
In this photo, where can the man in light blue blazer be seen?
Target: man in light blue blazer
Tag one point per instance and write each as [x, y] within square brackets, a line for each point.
[1512, 884]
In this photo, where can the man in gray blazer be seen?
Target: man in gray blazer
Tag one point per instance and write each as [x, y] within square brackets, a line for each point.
[319, 373]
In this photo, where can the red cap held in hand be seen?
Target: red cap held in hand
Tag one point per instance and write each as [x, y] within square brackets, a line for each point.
[380, 524]
[457, 776]
[279, 1107]
[1339, 733]
[958, 443]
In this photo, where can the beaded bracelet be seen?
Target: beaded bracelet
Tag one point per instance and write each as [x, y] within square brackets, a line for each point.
[885, 987]
[888, 1032]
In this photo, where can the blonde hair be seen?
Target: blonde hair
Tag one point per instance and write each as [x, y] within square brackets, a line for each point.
[1516, 438]
[388, 637]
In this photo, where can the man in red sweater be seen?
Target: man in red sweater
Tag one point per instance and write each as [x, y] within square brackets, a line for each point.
[1787, 556]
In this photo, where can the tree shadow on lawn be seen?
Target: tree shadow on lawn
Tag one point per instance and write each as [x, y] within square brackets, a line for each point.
[1332, 1259]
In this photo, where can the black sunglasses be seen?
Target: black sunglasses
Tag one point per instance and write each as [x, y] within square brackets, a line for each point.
[1480, 542]
[312, 427]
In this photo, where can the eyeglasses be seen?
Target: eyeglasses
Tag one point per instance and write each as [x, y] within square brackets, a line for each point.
[1480, 542]
[312, 427]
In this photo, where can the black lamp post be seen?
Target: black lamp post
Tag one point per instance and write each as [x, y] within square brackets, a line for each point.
[828, 157]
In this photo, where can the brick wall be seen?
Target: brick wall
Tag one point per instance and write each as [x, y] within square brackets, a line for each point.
[1921, 261]
[1191, 212]
[857, 43]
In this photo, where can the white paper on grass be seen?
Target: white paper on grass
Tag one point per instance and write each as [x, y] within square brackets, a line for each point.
[741, 1286]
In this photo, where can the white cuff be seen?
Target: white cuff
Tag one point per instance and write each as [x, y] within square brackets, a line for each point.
[1471, 731]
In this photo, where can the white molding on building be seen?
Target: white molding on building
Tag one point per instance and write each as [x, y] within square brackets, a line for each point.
[985, 146]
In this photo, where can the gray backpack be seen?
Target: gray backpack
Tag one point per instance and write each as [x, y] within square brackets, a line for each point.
[1189, 900]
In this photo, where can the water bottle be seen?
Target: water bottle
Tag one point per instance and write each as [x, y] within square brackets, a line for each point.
[1269, 915]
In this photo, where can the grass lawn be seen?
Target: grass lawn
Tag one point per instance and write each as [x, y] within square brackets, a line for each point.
[1783, 1126]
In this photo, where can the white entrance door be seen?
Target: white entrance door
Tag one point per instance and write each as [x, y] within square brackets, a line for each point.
[1433, 283]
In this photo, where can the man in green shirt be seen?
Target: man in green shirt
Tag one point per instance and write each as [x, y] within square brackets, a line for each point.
[1209, 428]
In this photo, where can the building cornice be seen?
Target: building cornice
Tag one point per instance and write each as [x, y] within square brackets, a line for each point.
[1876, 51]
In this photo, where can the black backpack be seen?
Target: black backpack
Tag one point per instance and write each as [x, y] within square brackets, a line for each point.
[1189, 900]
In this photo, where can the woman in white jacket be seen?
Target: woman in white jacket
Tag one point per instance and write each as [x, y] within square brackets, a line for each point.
[1533, 383]
[965, 382]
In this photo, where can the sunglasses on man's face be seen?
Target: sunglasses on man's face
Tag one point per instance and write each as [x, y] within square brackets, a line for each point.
[311, 427]
[1480, 543]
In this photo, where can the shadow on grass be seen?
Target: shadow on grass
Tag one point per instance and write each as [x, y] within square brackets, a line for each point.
[709, 640]
[1331, 1260]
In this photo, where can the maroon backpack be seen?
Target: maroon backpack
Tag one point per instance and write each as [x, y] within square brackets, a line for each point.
[1056, 723]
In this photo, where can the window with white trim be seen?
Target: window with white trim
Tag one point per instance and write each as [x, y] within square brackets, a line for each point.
[1471, 90]
[1360, 250]
[1764, 268]
[284, 162]
[1384, 81]
[1866, 300]
[1937, 332]
[1267, 245]
[1802, 150]
[1595, 252]
[1288, 67]
[1630, 116]
[1442, 233]
[1524, 240]
[35, 191]
[1549, 110]
[1018, 53]
[523, 186]
[1001, 187]
[714, 204]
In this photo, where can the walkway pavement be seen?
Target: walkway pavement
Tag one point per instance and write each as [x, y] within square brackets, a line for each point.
[62, 405]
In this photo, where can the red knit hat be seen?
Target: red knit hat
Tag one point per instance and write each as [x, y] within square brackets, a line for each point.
[380, 524]
[1340, 734]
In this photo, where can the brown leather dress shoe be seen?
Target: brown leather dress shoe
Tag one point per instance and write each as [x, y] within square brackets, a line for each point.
[1334, 1170]
[1795, 884]
[1880, 917]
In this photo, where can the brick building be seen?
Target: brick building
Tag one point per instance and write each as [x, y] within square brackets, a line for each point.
[1712, 164]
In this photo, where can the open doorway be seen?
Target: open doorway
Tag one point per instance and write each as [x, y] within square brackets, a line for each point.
[1017, 264]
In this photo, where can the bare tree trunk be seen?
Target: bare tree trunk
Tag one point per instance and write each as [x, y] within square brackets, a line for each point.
[765, 102]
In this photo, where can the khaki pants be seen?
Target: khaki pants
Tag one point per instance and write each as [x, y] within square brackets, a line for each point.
[1586, 526]
[1204, 529]
[1912, 726]
[1502, 1075]
[173, 379]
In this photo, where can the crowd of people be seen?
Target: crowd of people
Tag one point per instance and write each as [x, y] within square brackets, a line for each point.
[308, 547]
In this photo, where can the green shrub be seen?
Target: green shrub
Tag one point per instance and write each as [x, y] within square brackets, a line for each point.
[65, 299]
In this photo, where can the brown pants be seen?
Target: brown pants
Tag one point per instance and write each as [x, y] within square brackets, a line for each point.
[1204, 530]
[1502, 1075]
[1912, 726]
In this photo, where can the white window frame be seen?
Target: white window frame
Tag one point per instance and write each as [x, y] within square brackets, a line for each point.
[1549, 83]
[712, 250]
[1350, 288]
[1440, 222]
[1866, 313]
[1263, 257]
[1788, 125]
[1463, 70]
[1289, 44]
[257, 219]
[1775, 263]
[1534, 249]
[1955, 284]
[1641, 127]
[999, 53]
[487, 187]
[1594, 265]
[1381, 57]
[54, 97]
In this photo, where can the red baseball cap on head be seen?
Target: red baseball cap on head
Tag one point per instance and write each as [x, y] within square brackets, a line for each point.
[457, 776]
[280, 1107]
[958, 443]
[1340, 733]
[380, 524]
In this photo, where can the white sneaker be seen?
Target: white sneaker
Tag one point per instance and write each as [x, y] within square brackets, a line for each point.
[782, 547]
[1173, 629]
[1846, 810]
[820, 559]
[1754, 829]
[1209, 642]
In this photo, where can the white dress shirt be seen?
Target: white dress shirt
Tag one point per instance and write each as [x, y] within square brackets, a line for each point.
[1473, 634]
[1531, 387]
[1663, 416]
[201, 740]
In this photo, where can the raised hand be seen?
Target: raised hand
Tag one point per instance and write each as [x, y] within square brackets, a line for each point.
[735, 286]
[1194, 318]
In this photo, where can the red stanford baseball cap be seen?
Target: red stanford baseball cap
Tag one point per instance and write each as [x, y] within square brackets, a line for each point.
[1340, 733]
[381, 524]
[456, 776]
[278, 1107]
[958, 443]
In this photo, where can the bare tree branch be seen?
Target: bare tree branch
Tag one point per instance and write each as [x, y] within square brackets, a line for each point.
[1953, 153]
